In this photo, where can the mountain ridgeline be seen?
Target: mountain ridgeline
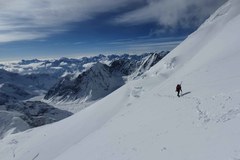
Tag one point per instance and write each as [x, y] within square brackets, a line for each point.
[101, 79]
[84, 79]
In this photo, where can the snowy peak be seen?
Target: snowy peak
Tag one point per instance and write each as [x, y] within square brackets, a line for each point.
[147, 63]
[92, 84]
[224, 14]
[98, 68]
[27, 62]
[101, 79]
[124, 66]
[63, 66]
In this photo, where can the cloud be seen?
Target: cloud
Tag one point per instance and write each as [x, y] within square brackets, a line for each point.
[146, 44]
[31, 19]
[171, 13]
[34, 19]
[18, 36]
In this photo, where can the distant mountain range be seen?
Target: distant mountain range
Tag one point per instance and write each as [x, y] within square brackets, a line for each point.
[16, 114]
[101, 79]
[66, 79]
[62, 80]
[63, 66]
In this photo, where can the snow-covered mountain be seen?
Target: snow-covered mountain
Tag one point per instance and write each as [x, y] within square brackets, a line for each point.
[20, 116]
[32, 82]
[146, 64]
[97, 81]
[144, 119]
[63, 66]
[16, 115]
[101, 79]
[92, 84]
[10, 92]
[15, 87]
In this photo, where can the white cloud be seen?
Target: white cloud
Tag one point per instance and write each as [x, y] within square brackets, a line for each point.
[34, 19]
[18, 36]
[31, 19]
[171, 13]
[145, 44]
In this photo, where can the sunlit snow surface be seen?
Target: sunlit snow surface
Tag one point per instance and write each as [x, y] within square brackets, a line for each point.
[145, 120]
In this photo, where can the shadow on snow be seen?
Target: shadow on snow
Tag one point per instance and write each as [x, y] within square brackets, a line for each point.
[183, 94]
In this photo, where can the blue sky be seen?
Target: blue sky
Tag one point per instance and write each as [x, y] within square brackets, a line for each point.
[73, 28]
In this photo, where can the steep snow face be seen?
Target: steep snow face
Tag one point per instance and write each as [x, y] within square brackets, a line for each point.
[145, 119]
[146, 64]
[207, 55]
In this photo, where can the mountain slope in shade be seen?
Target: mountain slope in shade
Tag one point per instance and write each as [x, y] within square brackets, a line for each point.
[93, 84]
[145, 119]
[14, 91]
[32, 83]
[19, 116]
[10, 122]
[101, 79]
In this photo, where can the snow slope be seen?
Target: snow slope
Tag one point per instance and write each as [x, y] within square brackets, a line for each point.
[145, 119]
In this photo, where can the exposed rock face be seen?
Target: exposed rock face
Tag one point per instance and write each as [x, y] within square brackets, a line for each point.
[37, 113]
[100, 80]
[19, 116]
[92, 84]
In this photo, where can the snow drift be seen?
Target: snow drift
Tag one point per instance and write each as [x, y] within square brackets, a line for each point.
[145, 119]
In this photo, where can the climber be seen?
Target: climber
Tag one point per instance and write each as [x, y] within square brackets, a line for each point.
[178, 89]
